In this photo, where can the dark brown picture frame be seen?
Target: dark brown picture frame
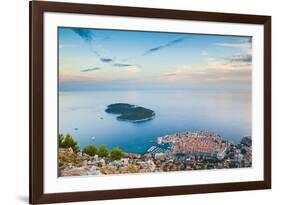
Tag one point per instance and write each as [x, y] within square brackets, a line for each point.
[37, 9]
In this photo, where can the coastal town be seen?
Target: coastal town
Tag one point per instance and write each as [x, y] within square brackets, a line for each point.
[180, 151]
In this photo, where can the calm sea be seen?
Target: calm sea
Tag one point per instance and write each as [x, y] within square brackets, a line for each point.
[82, 115]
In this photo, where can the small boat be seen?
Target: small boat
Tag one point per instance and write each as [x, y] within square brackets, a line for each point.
[93, 138]
[101, 118]
[75, 128]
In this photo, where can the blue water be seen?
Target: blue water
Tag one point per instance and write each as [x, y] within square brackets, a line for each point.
[227, 113]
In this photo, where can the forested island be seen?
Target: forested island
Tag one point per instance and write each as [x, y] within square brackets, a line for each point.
[130, 112]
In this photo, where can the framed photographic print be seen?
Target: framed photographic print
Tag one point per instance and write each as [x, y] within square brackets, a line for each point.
[138, 102]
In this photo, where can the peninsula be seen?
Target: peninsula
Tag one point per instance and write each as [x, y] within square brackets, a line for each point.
[181, 151]
[128, 112]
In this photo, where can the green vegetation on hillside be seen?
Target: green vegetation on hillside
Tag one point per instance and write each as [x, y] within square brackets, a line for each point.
[103, 152]
[67, 142]
[116, 153]
[91, 150]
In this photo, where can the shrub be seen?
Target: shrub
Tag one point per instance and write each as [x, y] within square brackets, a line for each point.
[116, 153]
[243, 151]
[60, 140]
[103, 152]
[238, 146]
[67, 142]
[91, 150]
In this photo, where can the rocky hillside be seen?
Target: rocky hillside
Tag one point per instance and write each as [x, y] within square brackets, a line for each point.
[78, 164]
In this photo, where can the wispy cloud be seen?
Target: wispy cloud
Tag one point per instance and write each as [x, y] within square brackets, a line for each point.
[170, 74]
[171, 43]
[231, 45]
[122, 65]
[90, 69]
[245, 54]
[66, 46]
[245, 43]
[128, 68]
[133, 70]
[86, 34]
[68, 75]
[88, 37]
[75, 76]
[106, 60]
[204, 53]
[216, 70]
[241, 58]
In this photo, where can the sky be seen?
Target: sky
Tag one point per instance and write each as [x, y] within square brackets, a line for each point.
[96, 59]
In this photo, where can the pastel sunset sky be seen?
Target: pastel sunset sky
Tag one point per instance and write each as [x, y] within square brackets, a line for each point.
[91, 59]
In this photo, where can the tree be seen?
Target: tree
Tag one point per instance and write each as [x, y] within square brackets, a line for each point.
[91, 150]
[116, 153]
[103, 152]
[68, 142]
[238, 146]
[243, 151]
[60, 140]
